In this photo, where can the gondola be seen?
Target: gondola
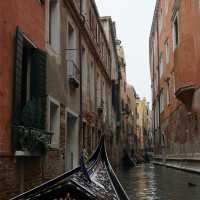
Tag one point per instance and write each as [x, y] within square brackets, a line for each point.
[128, 161]
[93, 180]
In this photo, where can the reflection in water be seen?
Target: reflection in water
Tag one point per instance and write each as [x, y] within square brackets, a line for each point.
[148, 182]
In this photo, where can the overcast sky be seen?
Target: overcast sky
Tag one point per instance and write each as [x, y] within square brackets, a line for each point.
[133, 20]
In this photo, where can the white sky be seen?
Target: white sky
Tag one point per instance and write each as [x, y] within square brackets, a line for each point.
[133, 21]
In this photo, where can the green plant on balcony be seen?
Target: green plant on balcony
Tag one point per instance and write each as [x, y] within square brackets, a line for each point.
[29, 135]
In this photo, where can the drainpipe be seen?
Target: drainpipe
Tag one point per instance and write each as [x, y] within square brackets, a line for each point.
[82, 22]
[81, 91]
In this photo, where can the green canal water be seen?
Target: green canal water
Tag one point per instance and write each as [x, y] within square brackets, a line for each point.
[149, 182]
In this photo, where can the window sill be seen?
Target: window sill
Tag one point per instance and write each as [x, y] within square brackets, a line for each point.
[54, 147]
[52, 51]
[26, 154]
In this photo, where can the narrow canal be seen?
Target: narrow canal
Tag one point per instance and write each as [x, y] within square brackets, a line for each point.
[149, 182]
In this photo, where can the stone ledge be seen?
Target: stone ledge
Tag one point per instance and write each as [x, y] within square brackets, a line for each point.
[184, 158]
[190, 169]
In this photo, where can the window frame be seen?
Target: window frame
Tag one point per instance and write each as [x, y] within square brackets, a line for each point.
[176, 39]
[50, 100]
[56, 48]
[162, 101]
[167, 52]
[161, 65]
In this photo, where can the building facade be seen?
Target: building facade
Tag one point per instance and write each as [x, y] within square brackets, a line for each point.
[174, 65]
[132, 119]
[142, 124]
[62, 85]
[114, 141]
[23, 68]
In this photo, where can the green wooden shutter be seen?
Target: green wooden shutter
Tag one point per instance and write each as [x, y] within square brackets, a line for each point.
[17, 76]
[38, 81]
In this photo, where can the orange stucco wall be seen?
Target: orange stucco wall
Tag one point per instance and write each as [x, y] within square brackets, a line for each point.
[30, 17]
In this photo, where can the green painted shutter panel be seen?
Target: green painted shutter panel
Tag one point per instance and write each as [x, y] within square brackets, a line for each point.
[38, 82]
[17, 76]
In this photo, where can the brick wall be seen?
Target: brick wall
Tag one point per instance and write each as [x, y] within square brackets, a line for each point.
[182, 132]
[21, 174]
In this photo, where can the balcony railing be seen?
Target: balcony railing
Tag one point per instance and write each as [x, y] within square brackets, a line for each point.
[73, 73]
[100, 106]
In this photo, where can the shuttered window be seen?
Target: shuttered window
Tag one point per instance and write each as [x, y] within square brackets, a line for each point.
[18, 75]
[29, 77]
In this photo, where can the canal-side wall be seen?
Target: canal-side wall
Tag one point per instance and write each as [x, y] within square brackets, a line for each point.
[191, 165]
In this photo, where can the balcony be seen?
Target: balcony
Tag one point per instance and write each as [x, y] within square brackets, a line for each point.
[29, 141]
[185, 71]
[185, 95]
[100, 106]
[73, 73]
[28, 131]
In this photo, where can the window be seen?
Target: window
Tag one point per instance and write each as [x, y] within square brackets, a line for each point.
[175, 31]
[83, 6]
[29, 77]
[160, 21]
[92, 86]
[98, 90]
[161, 66]
[167, 52]
[71, 44]
[91, 19]
[155, 82]
[54, 25]
[155, 44]
[152, 58]
[102, 51]
[166, 2]
[26, 73]
[157, 122]
[124, 86]
[174, 84]
[162, 102]
[54, 121]
[168, 93]
[97, 33]
[84, 71]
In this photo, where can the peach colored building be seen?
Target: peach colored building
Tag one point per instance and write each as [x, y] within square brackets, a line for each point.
[174, 47]
[142, 123]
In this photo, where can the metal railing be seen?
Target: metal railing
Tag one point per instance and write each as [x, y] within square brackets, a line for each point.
[73, 71]
[30, 139]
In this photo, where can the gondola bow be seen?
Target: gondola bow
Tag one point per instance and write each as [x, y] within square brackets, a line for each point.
[94, 180]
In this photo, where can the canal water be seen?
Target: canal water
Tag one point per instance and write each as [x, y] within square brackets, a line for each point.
[149, 182]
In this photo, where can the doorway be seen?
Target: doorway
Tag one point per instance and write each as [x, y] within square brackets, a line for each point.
[72, 155]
